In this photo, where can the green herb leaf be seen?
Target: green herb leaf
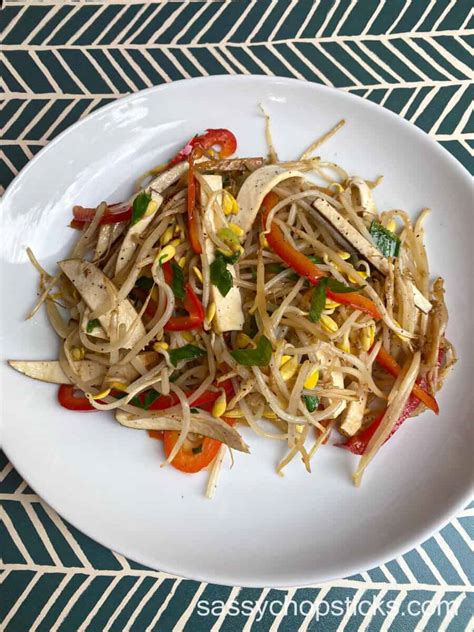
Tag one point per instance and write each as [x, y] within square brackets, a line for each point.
[275, 268]
[316, 259]
[220, 275]
[145, 283]
[139, 206]
[260, 356]
[337, 286]
[318, 300]
[149, 398]
[387, 242]
[188, 352]
[197, 449]
[91, 325]
[312, 402]
[195, 410]
[177, 281]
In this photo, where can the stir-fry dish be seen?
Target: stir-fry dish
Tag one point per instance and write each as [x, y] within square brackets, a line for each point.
[247, 291]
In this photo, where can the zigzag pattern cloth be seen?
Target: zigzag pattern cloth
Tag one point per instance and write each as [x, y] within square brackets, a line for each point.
[61, 61]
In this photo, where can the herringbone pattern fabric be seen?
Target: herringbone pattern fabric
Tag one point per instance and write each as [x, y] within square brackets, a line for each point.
[62, 60]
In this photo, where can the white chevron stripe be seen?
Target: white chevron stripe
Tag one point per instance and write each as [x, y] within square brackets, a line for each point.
[68, 70]
[454, 61]
[168, 53]
[379, 62]
[16, 606]
[350, 609]
[209, 23]
[425, 13]
[464, 44]
[14, 73]
[47, 606]
[427, 57]
[13, 533]
[409, 103]
[463, 533]
[239, 21]
[11, 25]
[468, 20]
[390, 618]
[340, 66]
[406, 61]
[126, 598]
[443, 15]
[327, 19]
[144, 24]
[407, 570]
[163, 606]
[74, 598]
[364, 625]
[120, 70]
[424, 103]
[452, 612]
[310, 65]
[219, 55]
[101, 72]
[345, 16]
[58, 120]
[61, 23]
[186, 28]
[87, 24]
[285, 63]
[147, 597]
[456, 97]
[307, 19]
[156, 66]
[100, 602]
[45, 70]
[67, 535]
[373, 17]
[427, 560]
[45, 19]
[258, 61]
[310, 616]
[111, 24]
[284, 15]
[93, 104]
[167, 23]
[369, 69]
[119, 37]
[281, 615]
[452, 558]
[430, 610]
[9, 124]
[189, 55]
[146, 80]
[42, 534]
[251, 618]
[6, 471]
[234, 593]
[264, 16]
[400, 16]
[179, 627]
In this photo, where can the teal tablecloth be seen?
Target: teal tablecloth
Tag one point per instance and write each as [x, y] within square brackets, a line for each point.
[62, 60]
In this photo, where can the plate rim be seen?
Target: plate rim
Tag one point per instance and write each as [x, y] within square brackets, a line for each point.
[461, 501]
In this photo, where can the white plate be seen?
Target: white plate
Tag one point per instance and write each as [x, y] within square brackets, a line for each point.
[260, 529]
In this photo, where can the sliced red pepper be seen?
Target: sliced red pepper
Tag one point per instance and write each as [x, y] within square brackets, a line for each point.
[68, 399]
[222, 137]
[113, 214]
[193, 227]
[191, 304]
[388, 362]
[305, 267]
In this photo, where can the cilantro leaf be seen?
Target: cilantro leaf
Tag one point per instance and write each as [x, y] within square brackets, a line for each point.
[91, 325]
[188, 352]
[140, 204]
[387, 242]
[260, 356]
[342, 288]
[145, 283]
[177, 281]
[220, 275]
[312, 402]
[318, 301]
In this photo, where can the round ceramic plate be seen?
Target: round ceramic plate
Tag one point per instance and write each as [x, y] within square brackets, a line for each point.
[260, 529]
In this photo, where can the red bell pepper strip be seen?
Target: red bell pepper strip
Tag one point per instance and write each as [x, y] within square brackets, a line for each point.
[305, 267]
[68, 399]
[388, 362]
[193, 227]
[113, 214]
[222, 137]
